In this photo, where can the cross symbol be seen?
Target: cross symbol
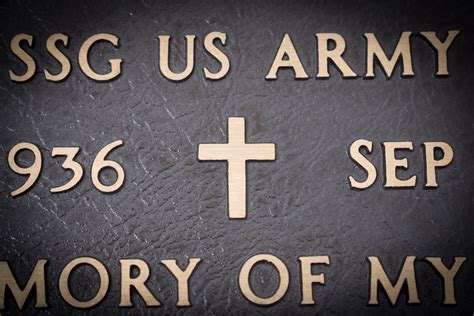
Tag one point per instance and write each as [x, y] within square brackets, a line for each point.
[236, 152]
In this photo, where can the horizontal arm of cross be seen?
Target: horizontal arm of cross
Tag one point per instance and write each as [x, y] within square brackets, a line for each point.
[231, 152]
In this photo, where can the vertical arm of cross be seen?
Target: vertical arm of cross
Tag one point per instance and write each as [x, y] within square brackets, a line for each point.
[236, 170]
[237, 185]
[236, 130]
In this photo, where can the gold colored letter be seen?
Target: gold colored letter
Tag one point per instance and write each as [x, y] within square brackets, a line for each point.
[432, 164]
[219, 55]
[307, 278]
[448, 276]
[164, 58]
[324, 54]
[392, 163]
[25, 58]
[36, 279]
[138, 283]
[441, 49]
[402, 49]
[244, 282]
[406, 275]
[60, 57]
[64, 282]
[287, 48]
[182, 277]
[354, 152]
[84, 55]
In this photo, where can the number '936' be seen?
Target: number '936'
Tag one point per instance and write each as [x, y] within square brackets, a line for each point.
[34, 170]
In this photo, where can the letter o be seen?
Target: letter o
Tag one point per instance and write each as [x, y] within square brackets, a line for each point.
[64, 282]
[244, 283]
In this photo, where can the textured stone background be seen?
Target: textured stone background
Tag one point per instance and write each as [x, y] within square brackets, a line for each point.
[174, 207]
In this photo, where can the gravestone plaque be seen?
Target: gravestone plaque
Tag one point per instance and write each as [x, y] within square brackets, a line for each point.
[224, 157]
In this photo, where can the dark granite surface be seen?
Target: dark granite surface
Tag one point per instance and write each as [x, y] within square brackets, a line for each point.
[174, 207]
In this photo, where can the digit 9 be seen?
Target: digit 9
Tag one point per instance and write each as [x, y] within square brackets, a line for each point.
[32, 171]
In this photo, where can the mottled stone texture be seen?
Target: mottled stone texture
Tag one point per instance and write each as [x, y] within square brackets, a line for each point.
[174, 207]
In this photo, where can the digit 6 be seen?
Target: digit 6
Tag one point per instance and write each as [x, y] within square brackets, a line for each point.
[100, 163]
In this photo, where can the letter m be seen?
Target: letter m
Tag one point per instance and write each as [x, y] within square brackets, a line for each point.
[36, 279]
[406, 275]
